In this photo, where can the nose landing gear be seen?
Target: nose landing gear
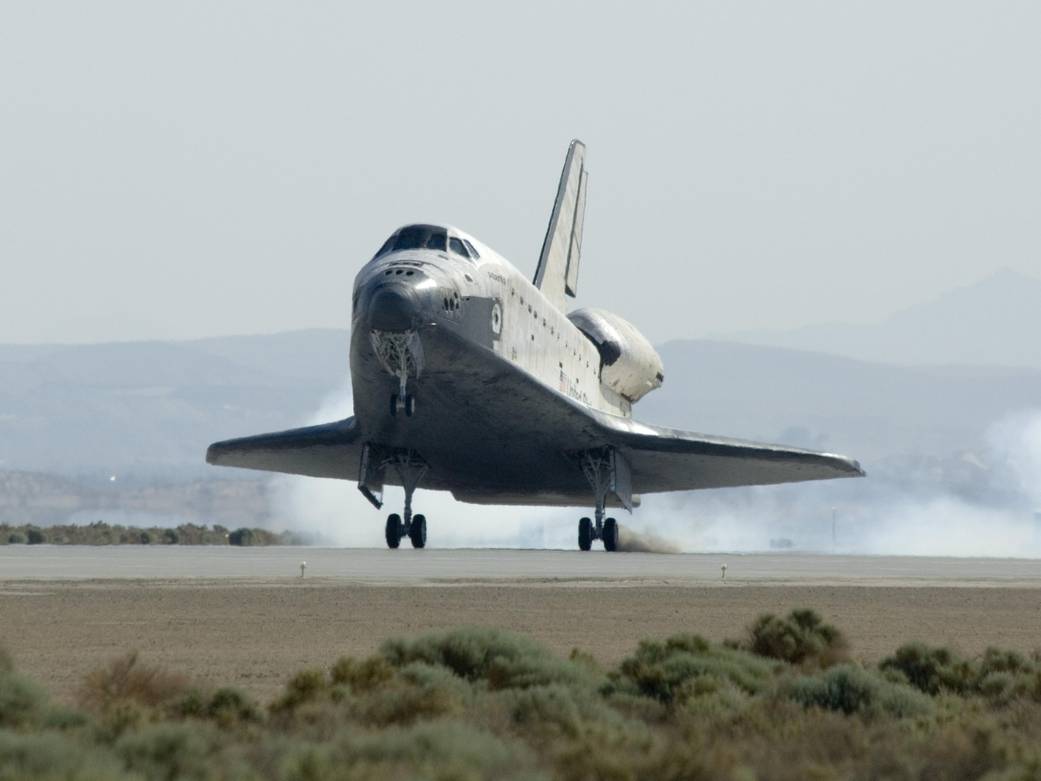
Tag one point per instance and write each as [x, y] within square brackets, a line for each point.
[401, 355]
[402, 402]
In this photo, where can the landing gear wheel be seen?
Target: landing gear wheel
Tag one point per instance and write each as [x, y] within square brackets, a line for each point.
[585, 534]
[410, 407]
[393, 530]
[418, 530]
[610, 534]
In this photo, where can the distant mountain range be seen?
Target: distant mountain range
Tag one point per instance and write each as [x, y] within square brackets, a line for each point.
[866, 410]
[995, 322]
[151, 408]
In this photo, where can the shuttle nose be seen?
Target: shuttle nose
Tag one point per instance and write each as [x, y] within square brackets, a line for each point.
[393, 307]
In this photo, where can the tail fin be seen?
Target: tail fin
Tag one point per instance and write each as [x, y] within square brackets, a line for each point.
[557, 272]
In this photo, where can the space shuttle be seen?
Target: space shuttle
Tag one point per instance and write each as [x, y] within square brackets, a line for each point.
[470, 377]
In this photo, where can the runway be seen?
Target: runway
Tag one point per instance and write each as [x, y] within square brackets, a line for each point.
[412, 567]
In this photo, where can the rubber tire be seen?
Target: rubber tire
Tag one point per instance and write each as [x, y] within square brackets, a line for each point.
[610, 534]
[410, 405]
[393, 530]
[585, 534]
[418, 532]
[393, 405]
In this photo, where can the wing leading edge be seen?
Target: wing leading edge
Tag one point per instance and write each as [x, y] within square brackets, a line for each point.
[664, 459]
[327, 450]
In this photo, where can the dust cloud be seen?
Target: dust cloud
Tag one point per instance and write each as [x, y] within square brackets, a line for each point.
[633, 541]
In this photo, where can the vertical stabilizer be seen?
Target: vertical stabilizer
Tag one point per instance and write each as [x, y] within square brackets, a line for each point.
[557, 272]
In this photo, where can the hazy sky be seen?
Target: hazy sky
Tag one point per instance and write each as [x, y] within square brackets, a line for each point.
[186, 169]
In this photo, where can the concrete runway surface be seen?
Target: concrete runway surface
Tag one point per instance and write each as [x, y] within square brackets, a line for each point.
[244, 617]
[409, 567]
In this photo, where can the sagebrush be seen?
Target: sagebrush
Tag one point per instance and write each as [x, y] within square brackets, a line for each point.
[784, 702]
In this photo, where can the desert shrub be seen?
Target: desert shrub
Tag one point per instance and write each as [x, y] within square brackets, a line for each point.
[578, 734]
[228, 706]
[996, 660]
[172, 751]
[686, 667]
[585, 659]
[34, 537]
[305, 686]
[23, 702]
[16, 538]
[126, 679]
[421, 692]
[801, 638]
[551, 707]
[361, 676]
[548, 713]
[502, 659]
[192, 704]
[850, 689]
[997, 675]
[930, 670]
[54, 756]
[998, 686]
[436, 750]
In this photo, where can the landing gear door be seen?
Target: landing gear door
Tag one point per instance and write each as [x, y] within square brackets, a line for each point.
[370, 476]
[621, 479]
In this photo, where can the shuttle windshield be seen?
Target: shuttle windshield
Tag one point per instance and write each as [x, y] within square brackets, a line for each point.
[416, 237]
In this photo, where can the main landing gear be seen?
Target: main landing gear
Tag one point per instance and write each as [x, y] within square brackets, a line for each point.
[415, 530]
[411, 469]
[605, 529]
[597, 467]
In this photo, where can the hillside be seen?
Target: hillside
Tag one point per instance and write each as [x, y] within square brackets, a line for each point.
[994, 322]
[153, 407]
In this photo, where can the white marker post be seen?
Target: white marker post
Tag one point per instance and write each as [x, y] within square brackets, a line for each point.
[303, 566]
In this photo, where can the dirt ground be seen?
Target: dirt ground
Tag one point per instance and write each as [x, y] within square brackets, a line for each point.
[254, 634]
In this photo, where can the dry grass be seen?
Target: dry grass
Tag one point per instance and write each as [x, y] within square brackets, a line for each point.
[126, 679]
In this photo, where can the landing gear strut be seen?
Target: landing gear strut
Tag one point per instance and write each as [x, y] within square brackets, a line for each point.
[598, 467]
[401, 355]
[411, 469]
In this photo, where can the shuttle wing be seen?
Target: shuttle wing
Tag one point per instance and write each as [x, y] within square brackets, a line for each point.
[663, 459]
[328, 450]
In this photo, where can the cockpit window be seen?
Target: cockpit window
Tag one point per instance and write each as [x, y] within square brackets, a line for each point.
[416, 237]
[421, 237]
[473, 253]
[457, 247]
